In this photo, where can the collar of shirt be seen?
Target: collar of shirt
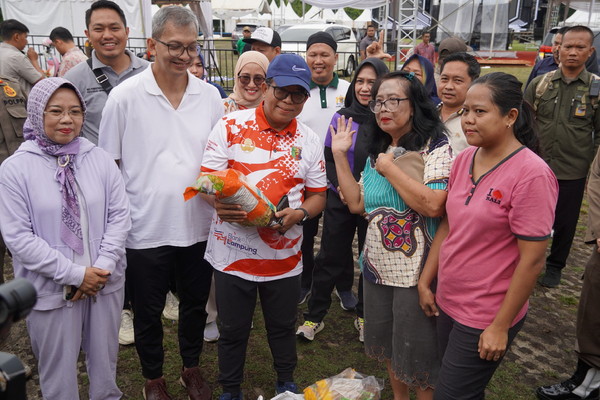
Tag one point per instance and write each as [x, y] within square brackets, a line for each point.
[73, 50]
[152, 87]
[263, 124]
[334, 83]
[452, 116]
[134, 64]
[583, 76]
[323, 89]
[10, 46]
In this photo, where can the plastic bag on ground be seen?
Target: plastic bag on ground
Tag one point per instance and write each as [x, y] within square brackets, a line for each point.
[348, 384]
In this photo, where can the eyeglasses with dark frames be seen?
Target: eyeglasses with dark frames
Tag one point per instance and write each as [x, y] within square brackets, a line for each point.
[257, 79]
[177, 49]
[390, 104]
[298, 97]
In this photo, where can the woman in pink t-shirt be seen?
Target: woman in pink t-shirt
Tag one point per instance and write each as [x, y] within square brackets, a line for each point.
[490, 248]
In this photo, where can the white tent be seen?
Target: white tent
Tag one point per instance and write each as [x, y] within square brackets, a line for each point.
[225, 9]
[41, 16]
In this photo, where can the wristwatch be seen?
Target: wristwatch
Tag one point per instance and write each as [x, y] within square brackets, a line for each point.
[306, 216]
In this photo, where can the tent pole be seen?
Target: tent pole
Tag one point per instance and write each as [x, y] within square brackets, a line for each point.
[494, 30]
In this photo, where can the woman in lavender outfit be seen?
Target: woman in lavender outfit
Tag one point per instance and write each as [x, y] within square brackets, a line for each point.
[65, 216]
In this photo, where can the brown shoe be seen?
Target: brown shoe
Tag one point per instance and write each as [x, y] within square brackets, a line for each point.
[156, 389]
[196, 386]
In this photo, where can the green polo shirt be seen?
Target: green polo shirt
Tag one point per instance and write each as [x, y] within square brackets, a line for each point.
[323, 89]
[568, 125]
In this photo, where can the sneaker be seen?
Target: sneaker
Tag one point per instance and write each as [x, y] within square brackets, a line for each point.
[359, 324]
[126, 336]
[304, 294]
[229, 396]
[171, 310]
[310, 329]
[156, 389]
[211, 332]
[285, 387]
[195, 385]
[563, 391]
[348, 300]
[551, 278]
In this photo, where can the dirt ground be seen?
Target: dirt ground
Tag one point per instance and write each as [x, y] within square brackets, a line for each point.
[543, 350]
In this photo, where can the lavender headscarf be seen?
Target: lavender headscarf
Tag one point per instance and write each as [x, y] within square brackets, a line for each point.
[70, 229]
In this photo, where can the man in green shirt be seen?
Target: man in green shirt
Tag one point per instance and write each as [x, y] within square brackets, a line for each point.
[241, 45]
[569, 125]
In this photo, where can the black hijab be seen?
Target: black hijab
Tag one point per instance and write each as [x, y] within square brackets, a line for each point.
[366, 124]
[352, 107]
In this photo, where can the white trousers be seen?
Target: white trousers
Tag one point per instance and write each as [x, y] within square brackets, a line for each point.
[57, 336]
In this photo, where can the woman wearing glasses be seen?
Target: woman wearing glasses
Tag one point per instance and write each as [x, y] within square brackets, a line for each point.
[65, 216]
[403, 200]
[250, 72]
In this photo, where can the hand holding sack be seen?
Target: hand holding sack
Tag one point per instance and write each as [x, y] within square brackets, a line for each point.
[231, 187]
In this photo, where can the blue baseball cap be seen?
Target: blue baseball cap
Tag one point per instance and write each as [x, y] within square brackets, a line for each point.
[288, 70]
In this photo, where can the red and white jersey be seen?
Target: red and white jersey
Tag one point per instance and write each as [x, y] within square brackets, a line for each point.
[281, 163]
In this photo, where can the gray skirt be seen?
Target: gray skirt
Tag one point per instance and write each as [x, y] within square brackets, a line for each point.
[396, 329]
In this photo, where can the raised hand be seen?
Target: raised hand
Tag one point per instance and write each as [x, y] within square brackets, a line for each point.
[341, 141]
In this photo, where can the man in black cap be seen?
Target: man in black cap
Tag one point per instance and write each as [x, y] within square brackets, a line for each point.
[327, 96]
[265, 40]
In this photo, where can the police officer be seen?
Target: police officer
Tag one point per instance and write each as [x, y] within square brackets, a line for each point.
[13, 112]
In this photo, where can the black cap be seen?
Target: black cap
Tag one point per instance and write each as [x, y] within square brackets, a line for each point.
[321, 37]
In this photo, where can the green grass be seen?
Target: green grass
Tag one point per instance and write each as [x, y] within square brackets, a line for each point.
[568, 301]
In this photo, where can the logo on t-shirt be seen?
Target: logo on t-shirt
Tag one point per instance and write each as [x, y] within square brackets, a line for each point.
[296, 153]
[494, 195]
[339, 101]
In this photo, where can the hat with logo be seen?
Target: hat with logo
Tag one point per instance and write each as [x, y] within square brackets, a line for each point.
[289, 69]
[265, 35]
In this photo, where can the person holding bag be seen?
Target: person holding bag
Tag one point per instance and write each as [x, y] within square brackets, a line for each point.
[403, 214]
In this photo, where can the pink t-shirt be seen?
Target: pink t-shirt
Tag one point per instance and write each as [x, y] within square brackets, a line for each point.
[514, 200]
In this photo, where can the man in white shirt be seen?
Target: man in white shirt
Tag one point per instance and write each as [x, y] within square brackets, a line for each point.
[457, 71]
[156, 124]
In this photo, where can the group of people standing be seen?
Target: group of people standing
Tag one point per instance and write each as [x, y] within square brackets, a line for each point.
[453, 220]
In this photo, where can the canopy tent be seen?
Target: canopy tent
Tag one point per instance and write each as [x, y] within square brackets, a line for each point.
[581, 17]
[225, 9]
[41, 16]
[360, 4]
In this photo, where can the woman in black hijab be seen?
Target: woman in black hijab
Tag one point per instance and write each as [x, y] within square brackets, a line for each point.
[335, 259]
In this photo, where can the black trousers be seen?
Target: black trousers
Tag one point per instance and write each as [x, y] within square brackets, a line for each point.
[463, 375]
[147, 276]
[236, 300]
[335, 259]
[570, 196]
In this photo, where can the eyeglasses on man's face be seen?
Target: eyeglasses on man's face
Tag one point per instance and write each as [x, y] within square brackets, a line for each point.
[390, 104]
[298, 96]
[176, 49]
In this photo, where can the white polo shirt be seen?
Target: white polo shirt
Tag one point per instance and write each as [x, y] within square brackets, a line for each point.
[288, 162]
[160, 151]
[322, 104]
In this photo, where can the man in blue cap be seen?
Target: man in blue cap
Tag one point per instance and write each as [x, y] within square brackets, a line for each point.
[281, 157]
